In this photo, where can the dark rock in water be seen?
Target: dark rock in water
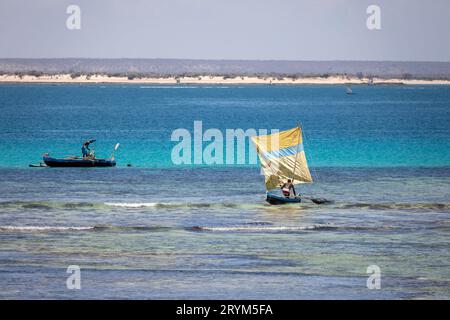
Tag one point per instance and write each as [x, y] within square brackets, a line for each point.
[321, 201]
[36, 206]
[129, 165]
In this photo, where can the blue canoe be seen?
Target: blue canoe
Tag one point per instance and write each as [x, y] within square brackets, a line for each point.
[275, 199]
[78, 162]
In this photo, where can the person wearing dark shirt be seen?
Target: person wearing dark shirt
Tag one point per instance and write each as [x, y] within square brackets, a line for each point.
[287, 187]
[85, 150]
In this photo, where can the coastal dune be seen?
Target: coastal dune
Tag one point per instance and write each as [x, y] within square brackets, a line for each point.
[188, 71]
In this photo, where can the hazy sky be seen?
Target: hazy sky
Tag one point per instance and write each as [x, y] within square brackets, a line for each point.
[227, 29]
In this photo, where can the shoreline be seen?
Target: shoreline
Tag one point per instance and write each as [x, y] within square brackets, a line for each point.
[214, 80]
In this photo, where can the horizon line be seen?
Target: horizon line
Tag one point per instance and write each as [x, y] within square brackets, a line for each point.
[236, 60]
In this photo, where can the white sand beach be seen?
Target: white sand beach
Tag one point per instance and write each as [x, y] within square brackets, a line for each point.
[342, 80]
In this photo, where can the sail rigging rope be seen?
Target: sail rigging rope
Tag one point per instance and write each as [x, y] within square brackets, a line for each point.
[311, 158]
[296, 156]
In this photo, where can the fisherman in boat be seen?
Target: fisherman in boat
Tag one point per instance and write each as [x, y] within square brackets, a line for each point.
[287, 187]
[85, 150]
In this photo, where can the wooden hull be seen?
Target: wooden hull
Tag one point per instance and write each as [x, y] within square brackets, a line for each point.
[275, 199]
[54, 162]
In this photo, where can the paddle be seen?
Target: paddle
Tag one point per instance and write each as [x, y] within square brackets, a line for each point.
[115, 149]
[40, 165]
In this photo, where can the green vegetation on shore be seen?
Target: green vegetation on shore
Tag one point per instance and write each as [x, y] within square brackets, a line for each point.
[227, 69]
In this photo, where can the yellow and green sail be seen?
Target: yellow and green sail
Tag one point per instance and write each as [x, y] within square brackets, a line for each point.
[282, 157]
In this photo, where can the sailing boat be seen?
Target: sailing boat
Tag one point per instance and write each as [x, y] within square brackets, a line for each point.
[282, 157]
[349, 90]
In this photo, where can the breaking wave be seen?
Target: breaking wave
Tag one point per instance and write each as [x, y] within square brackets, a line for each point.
[174, 205]
[257, 204]
[257, 228]
[42, 228]
[47, 205]
[51, 205]
[133, 205]
[243, 228]
[281, 229]
[99, 228]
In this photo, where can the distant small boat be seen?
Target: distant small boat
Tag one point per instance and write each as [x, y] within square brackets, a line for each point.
[78, 162]
[349, 90]
[75, 161]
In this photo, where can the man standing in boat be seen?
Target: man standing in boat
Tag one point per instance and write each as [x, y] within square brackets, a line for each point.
[287, 187]
[85, 150]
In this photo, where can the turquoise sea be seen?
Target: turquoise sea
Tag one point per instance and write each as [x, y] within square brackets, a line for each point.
[157, 230]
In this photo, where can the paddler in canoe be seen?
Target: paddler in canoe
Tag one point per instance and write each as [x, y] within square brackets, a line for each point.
[86, 151]
[88, 159]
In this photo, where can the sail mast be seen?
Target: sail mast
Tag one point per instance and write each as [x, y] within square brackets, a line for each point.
[296, 156]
